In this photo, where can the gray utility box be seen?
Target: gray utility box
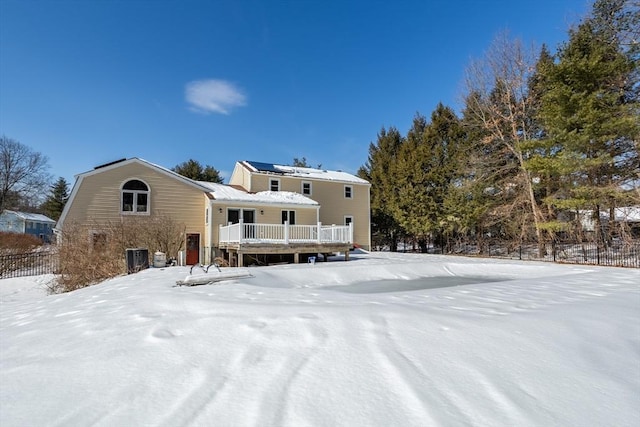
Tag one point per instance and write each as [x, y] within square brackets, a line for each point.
[137, 259]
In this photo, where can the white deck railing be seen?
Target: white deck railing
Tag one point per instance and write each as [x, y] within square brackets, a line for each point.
[285, 233]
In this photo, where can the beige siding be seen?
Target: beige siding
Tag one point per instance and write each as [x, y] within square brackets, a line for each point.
[241, 176]
[98, 198]
[335, 207]
[261, 182]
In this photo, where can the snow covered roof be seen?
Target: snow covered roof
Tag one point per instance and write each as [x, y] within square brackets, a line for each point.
[228, 193]
[32, 217]
[623, 214]
[299, 172]
[629, 214]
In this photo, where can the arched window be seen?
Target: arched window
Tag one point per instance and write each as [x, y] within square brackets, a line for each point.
[135, 197]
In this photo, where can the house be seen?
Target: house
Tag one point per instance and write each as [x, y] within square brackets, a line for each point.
[343, 198]
[265, 210]
[627, 216]
[37, 225]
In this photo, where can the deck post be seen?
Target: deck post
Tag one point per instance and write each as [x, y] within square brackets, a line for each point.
[240, 259]
[241, 231]
[351, 232]
[319, 232]
[296, 258]
[286, 232]
[346, 255]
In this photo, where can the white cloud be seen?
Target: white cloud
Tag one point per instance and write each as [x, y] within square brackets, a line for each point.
[213, 96]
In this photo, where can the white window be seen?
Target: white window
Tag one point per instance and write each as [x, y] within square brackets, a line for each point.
[135, 197]
[306, 188]
[274, 184]
[348, 192]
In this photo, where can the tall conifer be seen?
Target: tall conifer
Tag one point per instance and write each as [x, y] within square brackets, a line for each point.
[590, 111]
[57, 199]
[378, 171]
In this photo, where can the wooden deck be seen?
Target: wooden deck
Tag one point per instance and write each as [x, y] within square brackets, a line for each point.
[239, 239]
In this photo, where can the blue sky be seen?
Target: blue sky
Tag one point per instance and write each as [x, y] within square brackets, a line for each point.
[88, 82]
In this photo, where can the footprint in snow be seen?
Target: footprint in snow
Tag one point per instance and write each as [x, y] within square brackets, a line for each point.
[163, 334]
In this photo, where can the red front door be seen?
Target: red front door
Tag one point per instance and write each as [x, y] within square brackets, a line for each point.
[193, 249]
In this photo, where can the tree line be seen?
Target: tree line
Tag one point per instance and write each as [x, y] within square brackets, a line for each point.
[542, 139]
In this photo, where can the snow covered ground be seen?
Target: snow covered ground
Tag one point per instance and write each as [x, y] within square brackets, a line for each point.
[358, 343]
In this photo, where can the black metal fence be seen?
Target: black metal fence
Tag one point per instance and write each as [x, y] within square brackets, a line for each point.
[28, 264]
[615, 254]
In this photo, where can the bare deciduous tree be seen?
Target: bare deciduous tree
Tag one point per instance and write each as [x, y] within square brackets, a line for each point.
[23, 173]
[498, 102]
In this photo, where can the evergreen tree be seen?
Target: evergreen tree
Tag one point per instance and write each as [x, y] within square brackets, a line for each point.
[408, 199]
[445, 139]
[194, 170]
[57, 199]
[471, 201]
[302, 163]
[543, 158]
[425, 171]
[377, 170]
[590, 110]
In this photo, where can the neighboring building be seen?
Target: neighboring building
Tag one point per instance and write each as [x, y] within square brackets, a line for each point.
[310, 211]
[629, 216]
[37, 225]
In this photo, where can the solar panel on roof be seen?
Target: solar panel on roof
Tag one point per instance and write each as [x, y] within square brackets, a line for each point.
[264, 167]
[110, 163]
